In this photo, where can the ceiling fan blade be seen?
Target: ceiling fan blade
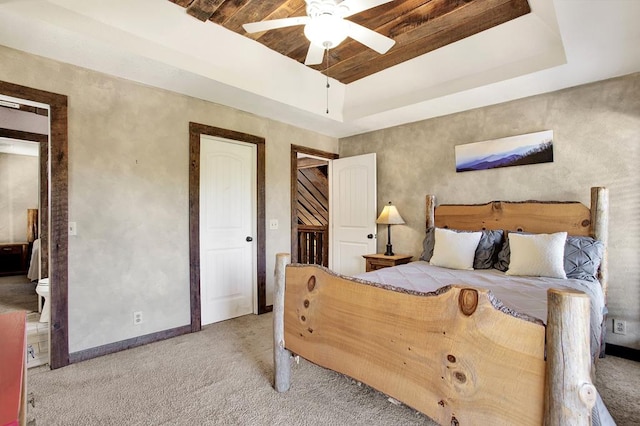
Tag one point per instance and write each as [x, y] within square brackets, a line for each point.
[357, 6]
[256, 27]
[315, 54]
[369, 38]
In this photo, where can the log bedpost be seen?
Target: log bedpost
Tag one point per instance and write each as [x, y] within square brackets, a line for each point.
[431, 211]
[281, 356]
[569, 393]
[600, 229]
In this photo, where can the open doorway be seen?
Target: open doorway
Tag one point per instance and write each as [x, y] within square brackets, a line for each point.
[20, 227]
[310, 205]
[53, 211]
[351, 223]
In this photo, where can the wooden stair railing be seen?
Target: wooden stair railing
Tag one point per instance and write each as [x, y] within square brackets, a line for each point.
[313, 245]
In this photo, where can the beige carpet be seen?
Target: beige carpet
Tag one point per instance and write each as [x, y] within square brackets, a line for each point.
[223, 376]
[618, 381]
[17, 293]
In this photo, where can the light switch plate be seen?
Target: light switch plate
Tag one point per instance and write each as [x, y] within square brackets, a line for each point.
[73, 230]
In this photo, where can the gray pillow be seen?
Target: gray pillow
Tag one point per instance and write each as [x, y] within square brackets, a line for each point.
[504, 255]
[488, 247]
[427, 245]
[485, 256]
[582, 257]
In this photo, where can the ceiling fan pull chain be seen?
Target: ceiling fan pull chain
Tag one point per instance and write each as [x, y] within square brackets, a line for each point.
[326, 73]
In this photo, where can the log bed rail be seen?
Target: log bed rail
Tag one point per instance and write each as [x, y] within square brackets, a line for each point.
[457, 355]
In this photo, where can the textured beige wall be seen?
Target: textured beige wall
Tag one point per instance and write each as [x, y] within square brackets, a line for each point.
[18, 192]
[596, 143]
[128, 193]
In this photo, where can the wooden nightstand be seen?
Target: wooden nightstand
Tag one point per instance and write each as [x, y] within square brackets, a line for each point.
[379, 260]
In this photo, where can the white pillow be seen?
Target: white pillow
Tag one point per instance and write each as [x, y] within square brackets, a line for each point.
[454, 250]
[538, 255]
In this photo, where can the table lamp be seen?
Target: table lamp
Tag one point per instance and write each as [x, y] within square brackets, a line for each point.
[389, 216]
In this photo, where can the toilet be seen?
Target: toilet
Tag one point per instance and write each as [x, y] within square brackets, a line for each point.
[43, 291]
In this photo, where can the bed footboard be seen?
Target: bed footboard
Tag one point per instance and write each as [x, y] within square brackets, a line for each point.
[456, 355]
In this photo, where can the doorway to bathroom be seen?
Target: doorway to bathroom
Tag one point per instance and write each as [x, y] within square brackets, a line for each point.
[53, 212]
[20, 225]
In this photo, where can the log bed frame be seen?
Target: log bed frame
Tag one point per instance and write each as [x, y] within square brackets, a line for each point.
[457, 354]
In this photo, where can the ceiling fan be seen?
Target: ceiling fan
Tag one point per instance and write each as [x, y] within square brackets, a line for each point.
[326, 28]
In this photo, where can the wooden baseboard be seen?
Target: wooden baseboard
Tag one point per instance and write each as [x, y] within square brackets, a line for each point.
[127, 344]
[622, 352]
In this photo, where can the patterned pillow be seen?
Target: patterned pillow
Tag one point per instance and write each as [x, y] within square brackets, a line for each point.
[582, 257]
[485, 256]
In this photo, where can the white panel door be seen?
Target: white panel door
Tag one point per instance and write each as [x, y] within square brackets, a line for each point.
[227, 228]
[352, 212]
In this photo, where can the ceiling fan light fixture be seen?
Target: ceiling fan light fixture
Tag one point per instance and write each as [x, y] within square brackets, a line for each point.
[326, 31]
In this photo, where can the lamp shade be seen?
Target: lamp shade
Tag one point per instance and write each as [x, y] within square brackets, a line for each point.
[390, 216]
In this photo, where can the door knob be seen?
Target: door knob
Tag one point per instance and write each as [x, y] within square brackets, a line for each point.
[370, 236]
[249, 239]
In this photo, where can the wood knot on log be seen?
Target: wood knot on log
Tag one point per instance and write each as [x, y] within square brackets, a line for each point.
[306, 303]
[451, 358]
[311, 283]
[468, 301]
[586, 223]
[454, 422]
[441, 403]
[587, 393]
[460, 377]
[496, 205]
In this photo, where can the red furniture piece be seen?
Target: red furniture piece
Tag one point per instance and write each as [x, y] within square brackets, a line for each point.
[13, 368]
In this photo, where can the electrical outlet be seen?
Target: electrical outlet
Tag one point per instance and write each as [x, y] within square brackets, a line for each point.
[619, 326]
[273, 224]
[137, 317]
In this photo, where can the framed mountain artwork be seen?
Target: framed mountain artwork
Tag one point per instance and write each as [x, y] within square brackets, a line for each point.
[532, 148]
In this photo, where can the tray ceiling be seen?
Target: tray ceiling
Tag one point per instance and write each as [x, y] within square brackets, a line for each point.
[558, 44]
[417, 26]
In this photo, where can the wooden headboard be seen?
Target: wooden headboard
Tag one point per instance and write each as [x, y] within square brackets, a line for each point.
[530, 216]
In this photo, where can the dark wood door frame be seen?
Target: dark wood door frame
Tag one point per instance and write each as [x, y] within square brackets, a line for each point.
[59, 215]
[295, 150]
[195, 131]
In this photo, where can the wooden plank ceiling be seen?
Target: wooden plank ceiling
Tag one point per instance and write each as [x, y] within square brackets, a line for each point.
[417, 26]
